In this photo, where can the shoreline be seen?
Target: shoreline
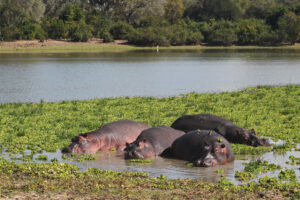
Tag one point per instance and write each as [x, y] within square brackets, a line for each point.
[96, 46]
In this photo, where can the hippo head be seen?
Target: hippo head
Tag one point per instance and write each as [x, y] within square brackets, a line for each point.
[138, 149]
[214, 151]
[250, 138]
[86, 145]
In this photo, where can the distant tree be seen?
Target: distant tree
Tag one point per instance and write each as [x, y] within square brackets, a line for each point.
[253, 32]
[222, 32]
[174, 10]
[289, 27]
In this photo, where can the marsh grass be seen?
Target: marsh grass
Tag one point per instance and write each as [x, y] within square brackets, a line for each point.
[272, 111]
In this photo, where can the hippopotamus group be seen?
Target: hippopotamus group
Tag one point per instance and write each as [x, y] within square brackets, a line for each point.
[199, 139]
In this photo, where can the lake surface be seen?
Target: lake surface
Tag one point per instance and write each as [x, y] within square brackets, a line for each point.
[70, 76]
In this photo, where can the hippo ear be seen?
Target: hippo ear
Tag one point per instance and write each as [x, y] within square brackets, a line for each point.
[127, 145]
[142, 143]
[81, 139]
[252, 131]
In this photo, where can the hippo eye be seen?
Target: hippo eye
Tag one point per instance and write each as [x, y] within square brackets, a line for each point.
[222, 146]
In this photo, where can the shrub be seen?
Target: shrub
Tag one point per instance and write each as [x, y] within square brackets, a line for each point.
[79, 32]
[106, 36]
[222, 33]
[253, 31]
[121, 30]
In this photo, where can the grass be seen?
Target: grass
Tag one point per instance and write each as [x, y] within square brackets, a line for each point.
[82, 47]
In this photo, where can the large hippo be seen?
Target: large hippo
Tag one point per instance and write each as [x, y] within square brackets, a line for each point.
[109, 136]
[226, 128]
[203, 148]
[152, 142]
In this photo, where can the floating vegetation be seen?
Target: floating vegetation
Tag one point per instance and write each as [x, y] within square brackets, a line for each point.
[288, 175]
[140, 160]
[255, 167]
[42, 157]
[86, 157]
[293, 160]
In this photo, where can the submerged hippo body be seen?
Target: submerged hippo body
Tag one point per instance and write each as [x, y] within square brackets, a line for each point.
[152, 142]
[226, 128]
[203, 148]
[109, 136]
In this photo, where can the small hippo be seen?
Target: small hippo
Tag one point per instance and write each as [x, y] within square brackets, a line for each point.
[203, 148]
[226, 128]
[152, 142]
[109, 136]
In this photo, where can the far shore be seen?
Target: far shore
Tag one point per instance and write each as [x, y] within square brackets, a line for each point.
[96, 45]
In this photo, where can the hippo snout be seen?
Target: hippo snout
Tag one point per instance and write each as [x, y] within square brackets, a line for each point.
[133, 155]
[208, 161]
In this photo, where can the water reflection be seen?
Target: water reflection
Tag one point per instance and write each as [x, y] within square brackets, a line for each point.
[56, 77]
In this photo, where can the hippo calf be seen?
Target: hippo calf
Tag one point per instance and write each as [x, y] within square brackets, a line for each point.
[109, 136]
[226, 128]
[152, 142]
[203, 148]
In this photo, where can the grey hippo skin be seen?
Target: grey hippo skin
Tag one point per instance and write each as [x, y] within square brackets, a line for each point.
[203, 148]
[109, 136]
[226, 128]
[152, 142]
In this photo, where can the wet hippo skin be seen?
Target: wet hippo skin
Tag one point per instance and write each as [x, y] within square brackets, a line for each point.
[152, 142]
[203, 148]
[226, 128]
[109, 136]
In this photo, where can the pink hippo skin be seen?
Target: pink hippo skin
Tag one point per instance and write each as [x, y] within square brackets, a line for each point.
[112, 135]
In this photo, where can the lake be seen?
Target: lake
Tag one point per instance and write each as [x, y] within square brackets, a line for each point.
[77, 76]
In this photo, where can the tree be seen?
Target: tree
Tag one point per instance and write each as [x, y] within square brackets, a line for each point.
[222, 33]
[289, 27]
[174, 10]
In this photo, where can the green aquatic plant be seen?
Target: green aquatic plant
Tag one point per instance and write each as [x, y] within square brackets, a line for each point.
[255, 167]
[140, 160]
[86, 157]
[42, 157]
[288, 175]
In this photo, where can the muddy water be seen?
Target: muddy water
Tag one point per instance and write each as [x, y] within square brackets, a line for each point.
[174, 169]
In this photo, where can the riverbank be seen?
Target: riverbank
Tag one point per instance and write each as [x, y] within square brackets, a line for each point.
[96, 45]
[36, 127]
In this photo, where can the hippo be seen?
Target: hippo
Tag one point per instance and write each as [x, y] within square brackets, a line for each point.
[203, 148]
[113, 135]
[152, 142]
[226, 128]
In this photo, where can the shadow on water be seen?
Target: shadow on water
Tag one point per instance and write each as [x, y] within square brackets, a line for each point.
[174, 169]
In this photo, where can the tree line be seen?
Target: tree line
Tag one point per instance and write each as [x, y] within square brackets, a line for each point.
[155, 22]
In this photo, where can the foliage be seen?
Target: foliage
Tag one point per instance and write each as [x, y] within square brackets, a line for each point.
[222, 33]
[174, 10]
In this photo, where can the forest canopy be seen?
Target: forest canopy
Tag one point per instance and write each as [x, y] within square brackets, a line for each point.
[155, 22]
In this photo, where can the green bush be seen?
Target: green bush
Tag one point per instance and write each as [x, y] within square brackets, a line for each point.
[55, 28]
[222, 33]
[121, 30]
[252, 31]
[106, 36]
[148, 37]
[79, 32]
